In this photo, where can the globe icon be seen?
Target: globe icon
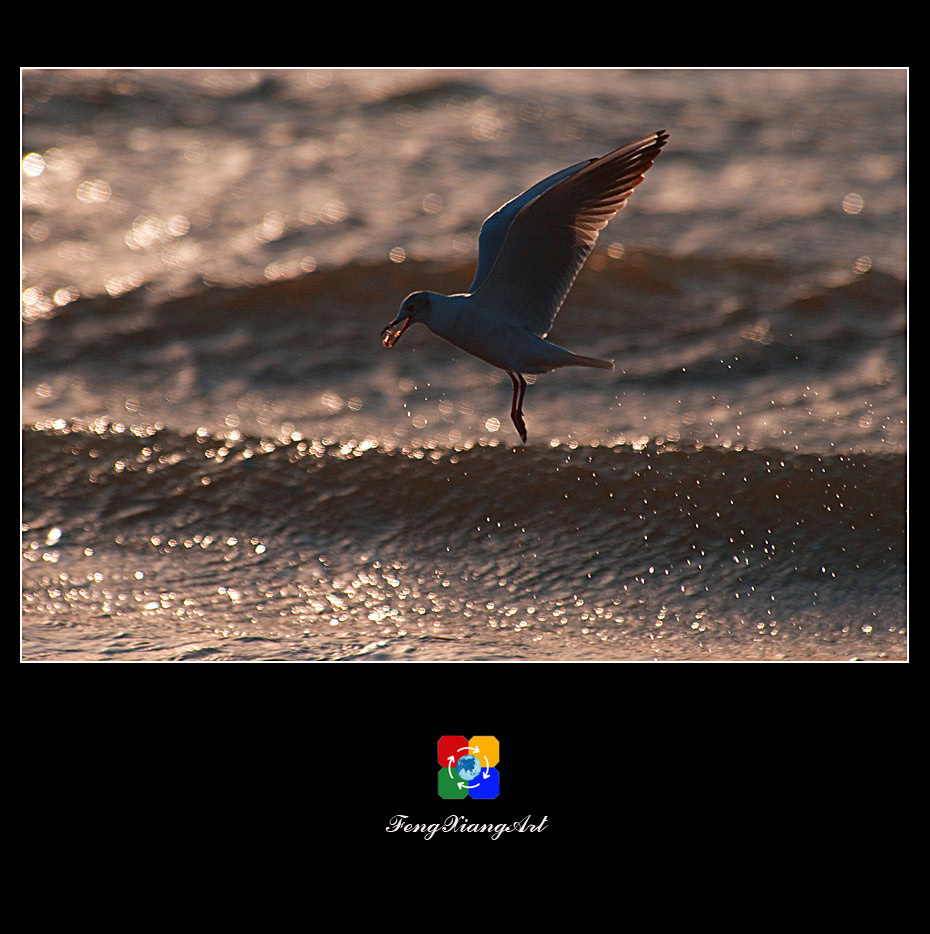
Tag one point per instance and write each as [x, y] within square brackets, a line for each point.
[468, 768]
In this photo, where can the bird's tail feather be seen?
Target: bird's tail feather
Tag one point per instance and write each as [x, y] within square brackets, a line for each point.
[578, 360]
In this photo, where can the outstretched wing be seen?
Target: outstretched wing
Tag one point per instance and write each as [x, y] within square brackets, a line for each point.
[535, 245]
[494, 229]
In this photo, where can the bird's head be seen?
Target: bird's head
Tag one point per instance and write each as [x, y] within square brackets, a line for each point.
[415, 307]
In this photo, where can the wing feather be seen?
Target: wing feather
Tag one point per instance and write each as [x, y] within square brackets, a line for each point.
[495, 227]
[543, 237]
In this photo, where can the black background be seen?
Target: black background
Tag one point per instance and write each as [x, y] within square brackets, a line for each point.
[659, 759]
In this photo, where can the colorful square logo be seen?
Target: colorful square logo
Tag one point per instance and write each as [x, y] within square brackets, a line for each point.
[468, 767]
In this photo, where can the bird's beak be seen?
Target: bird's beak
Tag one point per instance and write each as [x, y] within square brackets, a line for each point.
[391, 334]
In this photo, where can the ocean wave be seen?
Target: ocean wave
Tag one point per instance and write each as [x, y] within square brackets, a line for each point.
[661, 305]
[705, 350]
[478, 552]
[806, 510]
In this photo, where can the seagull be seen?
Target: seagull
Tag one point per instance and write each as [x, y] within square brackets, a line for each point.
[529, 252]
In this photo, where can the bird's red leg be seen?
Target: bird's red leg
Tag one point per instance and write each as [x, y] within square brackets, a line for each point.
[516, 406]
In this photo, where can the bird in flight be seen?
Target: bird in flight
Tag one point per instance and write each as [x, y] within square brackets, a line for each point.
[529, 252]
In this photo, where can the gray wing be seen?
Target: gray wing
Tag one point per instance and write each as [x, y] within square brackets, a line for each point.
[494, 229]
[536, 244]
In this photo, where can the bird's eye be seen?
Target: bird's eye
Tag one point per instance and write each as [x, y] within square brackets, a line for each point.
[409, 306]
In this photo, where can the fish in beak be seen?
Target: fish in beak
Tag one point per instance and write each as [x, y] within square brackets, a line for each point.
[391, 334]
